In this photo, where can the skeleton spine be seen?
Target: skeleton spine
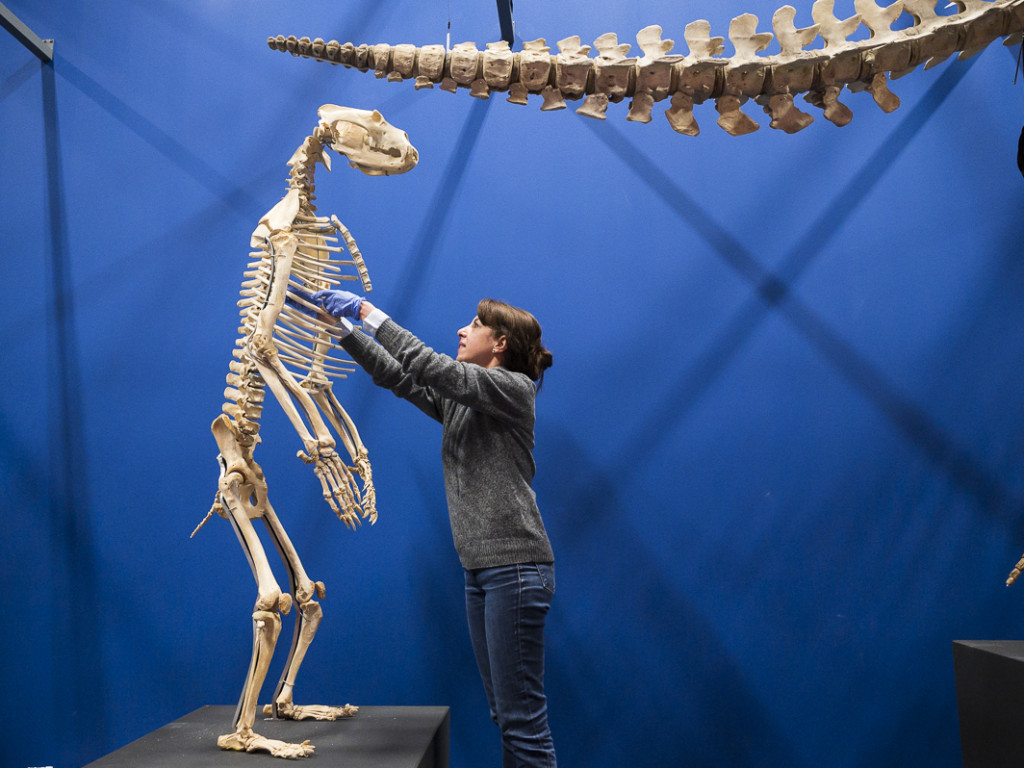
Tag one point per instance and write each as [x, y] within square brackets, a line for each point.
[246, 390]
[702, 74]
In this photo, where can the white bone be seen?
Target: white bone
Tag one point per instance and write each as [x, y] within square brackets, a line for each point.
[370, 143]
[292, 249]
[746, 39]
[698, 38]
[833, 31]
[464, 60]
[277, 218]
[877, 18]
[572, 67]
[650, 42]
[791, 40]
[608, 47]
[498, 65]
[534, 66]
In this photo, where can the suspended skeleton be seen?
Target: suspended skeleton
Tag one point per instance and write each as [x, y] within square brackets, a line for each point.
[294, 250]
[771, 81]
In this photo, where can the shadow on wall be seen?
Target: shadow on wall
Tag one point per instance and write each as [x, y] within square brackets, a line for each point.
[633, 667]
[77, 664]
[773, 291]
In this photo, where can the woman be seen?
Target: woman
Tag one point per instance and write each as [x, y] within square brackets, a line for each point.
[484, 399]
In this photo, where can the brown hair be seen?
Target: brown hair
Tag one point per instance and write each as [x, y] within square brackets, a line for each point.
[524, 352]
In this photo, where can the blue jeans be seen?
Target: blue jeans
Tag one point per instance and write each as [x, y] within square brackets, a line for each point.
[506, 607]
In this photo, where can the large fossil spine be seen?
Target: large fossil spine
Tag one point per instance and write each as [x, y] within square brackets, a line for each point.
[702, 74]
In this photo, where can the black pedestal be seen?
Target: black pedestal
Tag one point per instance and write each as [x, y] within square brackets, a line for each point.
[382, 737]
[990, 702]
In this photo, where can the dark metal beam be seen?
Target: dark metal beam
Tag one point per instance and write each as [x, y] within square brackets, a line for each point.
[41, 48]
[508, 30]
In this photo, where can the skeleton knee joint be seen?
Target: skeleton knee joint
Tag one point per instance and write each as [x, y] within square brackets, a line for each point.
[273, 599]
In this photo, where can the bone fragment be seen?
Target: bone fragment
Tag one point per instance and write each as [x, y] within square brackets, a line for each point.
[614, 74]
[698, 37]
[680, 115]
[552, 99]
[595, 105]
[465, 63]
[746, 39]
[498, 65]
[791, 40]
[534, 66]
[731, 119]
[878, 19]
[572, 67]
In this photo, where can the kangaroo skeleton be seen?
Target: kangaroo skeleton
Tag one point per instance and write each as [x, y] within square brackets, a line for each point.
[280, 341]
[703, 74]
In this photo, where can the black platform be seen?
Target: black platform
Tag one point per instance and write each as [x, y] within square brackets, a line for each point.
[990, 702]
[382, 737]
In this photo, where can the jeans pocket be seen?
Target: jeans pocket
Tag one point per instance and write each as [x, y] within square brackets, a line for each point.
[546, 572]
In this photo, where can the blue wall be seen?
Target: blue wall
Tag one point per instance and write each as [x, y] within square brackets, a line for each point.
[778, 452]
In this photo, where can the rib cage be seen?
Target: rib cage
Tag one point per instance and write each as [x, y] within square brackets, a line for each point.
[303, 342]
[702, 74]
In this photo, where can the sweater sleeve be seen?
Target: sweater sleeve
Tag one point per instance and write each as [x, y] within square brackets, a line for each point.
[496, 391]
[386, 372]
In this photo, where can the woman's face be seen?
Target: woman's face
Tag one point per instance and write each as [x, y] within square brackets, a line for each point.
[477, 344]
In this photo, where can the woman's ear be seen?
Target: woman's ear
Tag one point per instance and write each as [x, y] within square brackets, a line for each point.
[500, 345]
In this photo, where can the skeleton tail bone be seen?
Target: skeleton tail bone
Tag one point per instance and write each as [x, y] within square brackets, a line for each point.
[703, 74]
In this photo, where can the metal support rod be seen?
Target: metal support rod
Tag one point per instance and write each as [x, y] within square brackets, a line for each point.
[508, 30]
[41, 48]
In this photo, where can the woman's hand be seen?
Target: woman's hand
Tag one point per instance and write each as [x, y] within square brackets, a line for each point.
[341, 304]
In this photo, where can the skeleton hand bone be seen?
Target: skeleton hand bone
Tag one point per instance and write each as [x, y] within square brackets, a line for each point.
[340, 490]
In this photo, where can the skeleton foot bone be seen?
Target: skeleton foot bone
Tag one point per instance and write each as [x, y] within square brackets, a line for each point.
[289, 711]
[253, 742]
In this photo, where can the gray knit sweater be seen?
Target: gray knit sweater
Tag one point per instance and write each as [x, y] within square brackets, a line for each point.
[486, 445]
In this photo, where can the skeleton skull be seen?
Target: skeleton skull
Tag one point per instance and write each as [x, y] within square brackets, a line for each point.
[370, 142]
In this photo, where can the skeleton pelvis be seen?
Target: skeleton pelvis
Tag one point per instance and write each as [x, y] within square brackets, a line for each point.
[241, 482]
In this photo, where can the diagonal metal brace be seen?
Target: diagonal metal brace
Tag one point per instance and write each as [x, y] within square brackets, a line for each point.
[41, 48]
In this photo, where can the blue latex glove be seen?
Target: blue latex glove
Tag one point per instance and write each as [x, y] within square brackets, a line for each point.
[339, 303]
[296, 293]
